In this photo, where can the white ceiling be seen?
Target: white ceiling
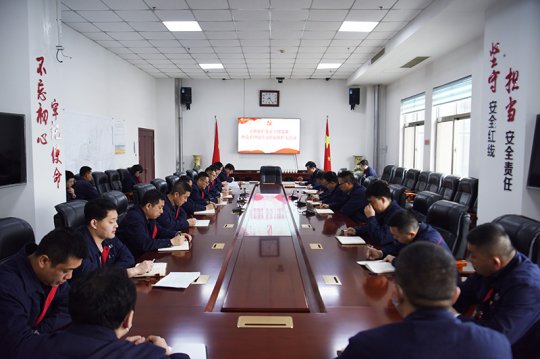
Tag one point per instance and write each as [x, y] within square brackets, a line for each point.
[251, 38]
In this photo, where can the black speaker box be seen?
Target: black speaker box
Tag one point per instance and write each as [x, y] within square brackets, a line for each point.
[354, 97]
[185, 96]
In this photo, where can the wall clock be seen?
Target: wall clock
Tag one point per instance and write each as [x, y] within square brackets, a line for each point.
[269, 98]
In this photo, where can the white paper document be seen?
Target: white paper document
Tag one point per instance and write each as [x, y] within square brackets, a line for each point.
[195, 351]
[183, 247]
[324, 211]
[350, 240]
[287, 184]
[221, 204]
[313, 203]
[178, 279]
[227, 196]
[159, 269]
[299, 186]
[378, 267]
[310, 191]
[205, 212]
[202, 223]
[232, 185]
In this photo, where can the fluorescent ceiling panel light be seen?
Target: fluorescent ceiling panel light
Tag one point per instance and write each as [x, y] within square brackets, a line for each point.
[211, 66]
[322, 66]
[182, 25]
[358, 26]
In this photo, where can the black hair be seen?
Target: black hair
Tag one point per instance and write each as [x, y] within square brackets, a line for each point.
[84, 170]
[184, 178]
[69, 175]
[378, 189]
[201, 175]
[229, 166]
[491, 238]
[427, 275]
[181, 187]
[404, 221]
[136, 168]
[310, 164]
[103, 297]
[364, 163]
[347, 176]
[218, 165]
[319, 174]
[330, 177]
[152, 196]
[98, 209]
[61, 244]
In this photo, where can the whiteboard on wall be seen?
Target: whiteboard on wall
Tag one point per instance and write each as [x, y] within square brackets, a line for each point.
[88, 141]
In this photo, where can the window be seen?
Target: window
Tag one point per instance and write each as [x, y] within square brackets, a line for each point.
[452, 111]
[412, 117]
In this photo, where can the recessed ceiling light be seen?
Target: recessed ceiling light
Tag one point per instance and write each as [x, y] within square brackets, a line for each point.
[182, 25]
[358, 26]
[211, 66]
[322, 66]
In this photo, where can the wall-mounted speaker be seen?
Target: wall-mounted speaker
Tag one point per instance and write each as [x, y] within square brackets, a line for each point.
[354, 97]
[185, 96]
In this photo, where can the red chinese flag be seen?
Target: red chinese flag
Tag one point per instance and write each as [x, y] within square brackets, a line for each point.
[327, 160]
[215, 156]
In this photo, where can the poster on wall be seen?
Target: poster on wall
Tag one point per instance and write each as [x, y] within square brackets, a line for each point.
[258, 135]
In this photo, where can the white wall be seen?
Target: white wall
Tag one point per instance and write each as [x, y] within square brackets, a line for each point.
[310, 100]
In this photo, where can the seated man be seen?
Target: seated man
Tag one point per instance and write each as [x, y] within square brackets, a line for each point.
[424, 293]
[355, 198]
[34, 292]
[333, 197]
[312, 170]
[217, 181]
[104, 249]
[378, 212]
[70, 191]
[134, 177]
[226, 174]
[213, 189]
[139, 230]
[368, 171]
[405, 229]
[198, 198]
[504, 294]
[99, 324]
[84, 187]
[174, 217]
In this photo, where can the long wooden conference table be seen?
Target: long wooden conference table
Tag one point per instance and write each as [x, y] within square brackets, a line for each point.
[270, 261]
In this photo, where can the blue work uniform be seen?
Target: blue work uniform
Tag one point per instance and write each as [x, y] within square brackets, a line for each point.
[425, 233]
[224, 178]
[335, 199]
[174, 218]
[369, 172]
[509, 302]
[355, 201]
[428, 334]
[85, 190]
[22, 298]
[313, 181]
[128, 182]
[195, 201]
[377, 226]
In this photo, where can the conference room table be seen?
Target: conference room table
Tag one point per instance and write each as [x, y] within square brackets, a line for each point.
[269, 261]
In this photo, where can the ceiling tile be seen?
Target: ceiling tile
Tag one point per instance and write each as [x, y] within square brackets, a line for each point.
[123, 51]
[227, 49]
[228, 57]
[202, 50]
[99, 16]
[312, 49]
[157, 35]
[366, 15]
[84, 4]
[412, 4]
[323, 25]
[189, 35]
[165, 43]
[284, 34]
[289, 15]
[128, 56]
[97, 36]
[71, 16]
[327, 15]
[125, 4]
[194, 43]
[245, 35]
[318, 42]
[334, 4]
[251, 15]
[175, 15]
[381, 35]
[352, 43]
[288, 25]
[259, 42]
[251, 56]
[218, 35]
[153, 57]
[110, 43]
[390, 26]
[344, 35]
[323, 35]
[167, 4]
[148, 26]
[174, 57]
[249, 4]
[225, 42]
[136, 43]
[253, 25]
[125, 35]
[401, 15]
[208, 4]
[212, 15]
[83, 27]
[291, 4]
[145, 50]
[217, 25]
[282, 43]
[235, 60]
[255, 50]
[113, 26]
[172, 50]
[138, 15]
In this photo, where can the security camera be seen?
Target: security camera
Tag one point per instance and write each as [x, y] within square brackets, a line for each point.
[280, 79]
[327, 79]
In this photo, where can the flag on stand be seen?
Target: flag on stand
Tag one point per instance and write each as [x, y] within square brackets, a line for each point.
[327, 160]
[215, 155]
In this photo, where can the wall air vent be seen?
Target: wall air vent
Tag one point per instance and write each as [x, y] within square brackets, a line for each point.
[378, 56]
[414, 62]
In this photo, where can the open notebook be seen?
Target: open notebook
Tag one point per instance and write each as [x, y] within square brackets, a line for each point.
[324, 211]
[158, 269]
[183, 247]
[350, 240]
[205, 212]
[378, 267]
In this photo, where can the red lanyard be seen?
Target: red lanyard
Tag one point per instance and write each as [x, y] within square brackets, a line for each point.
[48, 302]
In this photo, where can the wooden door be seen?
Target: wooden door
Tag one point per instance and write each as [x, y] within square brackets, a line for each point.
[146, 154]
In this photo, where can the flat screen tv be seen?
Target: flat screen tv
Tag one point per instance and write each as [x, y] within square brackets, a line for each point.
[12, 149]
[258, 135]
[534, 167]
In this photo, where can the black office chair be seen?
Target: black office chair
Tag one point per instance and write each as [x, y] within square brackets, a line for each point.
[69, 214]
[161, 185]
[368, 180]
[467, 192]
[139, 190]
[15, 233]
[422, 201]
[452, 221]
[114, 180]
[398, 194]
[120, 201]
[359, 178]
[191, 173]
[171, 180]
[422, 181]
[524, 233]
[399, 175]
[178, 174]
[411, 177]
[270, 174]
[388, 173]
[434, 182]
[101, 181]
[449, 187]
[123, 172]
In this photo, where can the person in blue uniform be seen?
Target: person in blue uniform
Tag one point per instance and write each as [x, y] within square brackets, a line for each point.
[226, 174]
[333, 197]
[134, 177]
[174, 217]
[84, 187]
[368, 171]
[217, 181]
[504, 294]
[354, 196]
[198, 199]
[312, 170]
[213, 189]
[141, 233]
[378, 212]
[34, 290]
[104, 248]
[70, 191]
[424, 293]
[405, 229]
[98, 325]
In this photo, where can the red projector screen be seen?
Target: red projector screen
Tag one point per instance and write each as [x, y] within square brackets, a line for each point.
[268, 135]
